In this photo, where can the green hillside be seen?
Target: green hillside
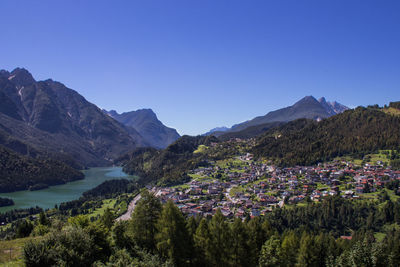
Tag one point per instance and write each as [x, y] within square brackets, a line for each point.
[354, 132]
[168, 166]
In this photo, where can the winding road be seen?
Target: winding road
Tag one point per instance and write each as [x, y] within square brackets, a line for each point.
[127, 215]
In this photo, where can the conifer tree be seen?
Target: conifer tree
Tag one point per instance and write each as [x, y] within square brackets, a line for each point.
[142, 226]
[270, 252]
[306, 255]
[289, 248]
[220, 240]
[172, 237]
[191, 226]
[202, 241]
[107, 219]
[239, 246]
[43, 220]
[258, 232]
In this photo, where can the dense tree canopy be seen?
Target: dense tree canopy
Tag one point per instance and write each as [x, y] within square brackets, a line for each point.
[159, 235]
[354, 132]
[168, 166]
[20, 172]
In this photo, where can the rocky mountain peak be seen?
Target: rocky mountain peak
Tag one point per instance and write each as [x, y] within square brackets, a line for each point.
[145, 122]
[322, 100]
[306, 99]
[332, 108]
[21, 76]
[148, 112]
[59, 121]
[111, 113]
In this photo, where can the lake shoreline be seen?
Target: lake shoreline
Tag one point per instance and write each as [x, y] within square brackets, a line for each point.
[56, 194]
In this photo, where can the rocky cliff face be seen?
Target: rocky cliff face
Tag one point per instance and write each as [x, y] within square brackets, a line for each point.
[332, 108]
[65, 122]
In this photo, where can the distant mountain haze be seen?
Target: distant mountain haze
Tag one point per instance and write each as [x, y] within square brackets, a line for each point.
[308, 108]
[217, 129]
[249, 132]
[146, 123]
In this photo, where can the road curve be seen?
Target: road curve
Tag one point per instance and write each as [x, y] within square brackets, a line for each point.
[127, 215]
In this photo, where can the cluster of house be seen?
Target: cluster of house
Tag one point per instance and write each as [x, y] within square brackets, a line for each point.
[256, 188]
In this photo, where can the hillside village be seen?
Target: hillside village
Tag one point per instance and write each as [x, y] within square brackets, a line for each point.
[243, 187]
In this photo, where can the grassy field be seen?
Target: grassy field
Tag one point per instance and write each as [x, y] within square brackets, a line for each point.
[261, 180]
[11, 251]
[302, 204]
[14, 263]
[321, 186]
[369, 158]
[379, 236]
[201, 149]
[386, 229]
[201, 178]
[370, 196]
[195, 176]
[4, 227]
[181, 187]
[299, 204]
[236, 189]
[235, 163]
[392, 195]
[378, 157]
[392, 111]
[107, 203]
[374, 196]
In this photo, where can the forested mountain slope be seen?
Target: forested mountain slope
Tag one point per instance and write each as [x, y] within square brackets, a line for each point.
[168, 166]
[305, 142]
[19, 172]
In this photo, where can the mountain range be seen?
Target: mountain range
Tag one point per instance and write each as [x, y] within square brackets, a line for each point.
[46, 126]
[146, 123]
[306, 108]
[354, 133]
[47, 119]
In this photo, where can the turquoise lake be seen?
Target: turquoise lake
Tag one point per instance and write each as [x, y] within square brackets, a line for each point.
[47, 198]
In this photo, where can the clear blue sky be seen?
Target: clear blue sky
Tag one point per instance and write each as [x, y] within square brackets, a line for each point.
[200, 64]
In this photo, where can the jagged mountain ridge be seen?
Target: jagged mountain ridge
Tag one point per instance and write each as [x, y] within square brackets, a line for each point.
[332, 108]
[63, 120]
[146, 123]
